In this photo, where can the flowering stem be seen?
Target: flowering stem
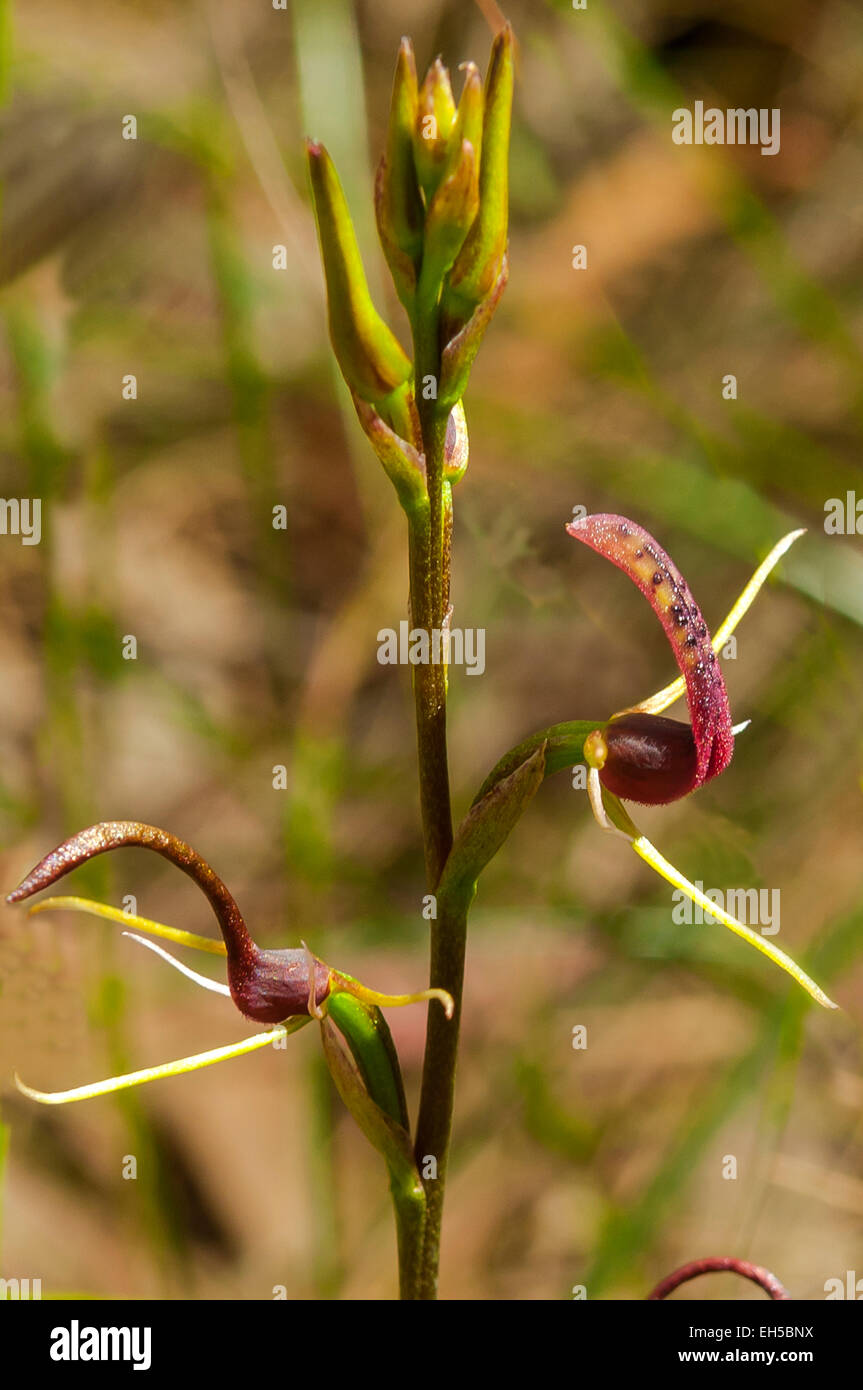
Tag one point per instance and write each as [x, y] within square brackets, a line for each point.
[429, 683]
[430, 535]
[434, 1126]
[429, 597]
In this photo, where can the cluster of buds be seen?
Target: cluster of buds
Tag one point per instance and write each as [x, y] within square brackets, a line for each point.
[441, 199]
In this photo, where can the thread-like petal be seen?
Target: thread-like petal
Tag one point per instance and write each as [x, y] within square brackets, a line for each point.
[203, 980]
[178, 1068]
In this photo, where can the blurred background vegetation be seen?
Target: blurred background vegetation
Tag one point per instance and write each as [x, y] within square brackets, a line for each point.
[257, 647]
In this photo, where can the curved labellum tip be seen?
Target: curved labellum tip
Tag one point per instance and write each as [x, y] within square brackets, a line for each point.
[653, 571]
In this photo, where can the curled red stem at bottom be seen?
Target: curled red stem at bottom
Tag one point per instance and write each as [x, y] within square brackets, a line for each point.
[716, 1264]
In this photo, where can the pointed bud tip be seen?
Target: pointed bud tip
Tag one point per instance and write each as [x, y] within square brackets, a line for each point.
[502, 49]
[437, 79]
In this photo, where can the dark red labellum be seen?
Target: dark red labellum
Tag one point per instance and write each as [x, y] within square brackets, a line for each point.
[275, 985]
[649, 759]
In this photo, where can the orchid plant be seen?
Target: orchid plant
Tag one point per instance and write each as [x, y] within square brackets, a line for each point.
[441, 205]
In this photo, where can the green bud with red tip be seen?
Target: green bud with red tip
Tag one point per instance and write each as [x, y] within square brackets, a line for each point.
[478, 266]
[371, 358]
[452, 208]
[436, 114]
[471, 109]
[398, 202]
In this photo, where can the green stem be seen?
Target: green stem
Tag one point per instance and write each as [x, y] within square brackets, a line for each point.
[409, 1203]
[437, 1096]
[429, 681]
[430, 536]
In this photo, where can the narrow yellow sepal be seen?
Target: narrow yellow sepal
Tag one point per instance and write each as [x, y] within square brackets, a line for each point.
[116, 914]
[178, 1068]
[619, 819]
[650, 854]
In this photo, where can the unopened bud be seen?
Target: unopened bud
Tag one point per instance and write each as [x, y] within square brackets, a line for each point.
[478, 265]
[450, 216]
[435, 117]
[398, 203]
[371, 359]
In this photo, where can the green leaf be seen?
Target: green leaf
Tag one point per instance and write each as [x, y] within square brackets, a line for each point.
[564, 747]
[489, 822]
